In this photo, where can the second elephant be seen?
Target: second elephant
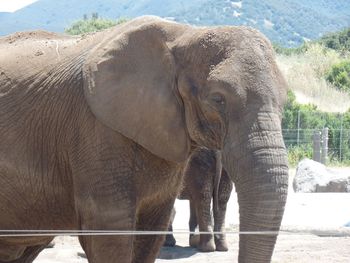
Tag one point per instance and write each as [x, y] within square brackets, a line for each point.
[199, 189]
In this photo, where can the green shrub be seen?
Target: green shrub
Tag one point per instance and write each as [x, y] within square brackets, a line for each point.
[297, 153]
[307, 118]
[339, 76]
[93, 24]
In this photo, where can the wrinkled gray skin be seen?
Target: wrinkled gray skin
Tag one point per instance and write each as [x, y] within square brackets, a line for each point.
[199, 189]
[96, 130]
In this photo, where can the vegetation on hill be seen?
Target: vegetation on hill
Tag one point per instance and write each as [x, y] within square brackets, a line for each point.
[306, 71]
[338, 40]
[339, 76]
[92, 24]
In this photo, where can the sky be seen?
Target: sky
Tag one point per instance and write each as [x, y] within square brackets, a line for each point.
[13, 5]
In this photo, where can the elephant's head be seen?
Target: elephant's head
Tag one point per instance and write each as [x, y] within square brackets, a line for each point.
[170, 87]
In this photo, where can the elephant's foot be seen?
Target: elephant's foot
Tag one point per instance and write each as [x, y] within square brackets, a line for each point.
[206, 244]
[221, 244]
[194, 240]
[170, 241]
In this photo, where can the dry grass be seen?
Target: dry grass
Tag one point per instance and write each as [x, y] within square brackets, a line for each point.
[305, 76]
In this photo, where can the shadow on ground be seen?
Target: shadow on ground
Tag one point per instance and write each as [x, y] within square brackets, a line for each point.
[176, 252]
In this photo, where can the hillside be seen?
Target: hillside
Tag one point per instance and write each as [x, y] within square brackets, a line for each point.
[337, 40]
[286, 22]
[306, 74]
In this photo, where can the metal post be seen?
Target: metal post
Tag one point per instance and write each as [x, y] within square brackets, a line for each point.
[324, 151]
[316, 155]
[298, 131]
[341, 138]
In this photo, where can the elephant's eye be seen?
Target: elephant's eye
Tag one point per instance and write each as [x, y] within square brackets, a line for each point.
[218, 99]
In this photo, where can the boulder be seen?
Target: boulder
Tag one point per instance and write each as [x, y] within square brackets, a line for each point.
[314, 177]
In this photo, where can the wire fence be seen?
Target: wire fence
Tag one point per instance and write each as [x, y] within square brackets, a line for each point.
[338, 142]
[301, 131]
[335, 231]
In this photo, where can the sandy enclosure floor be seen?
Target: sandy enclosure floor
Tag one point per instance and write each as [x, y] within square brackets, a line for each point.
[307, 216]
[289, 248]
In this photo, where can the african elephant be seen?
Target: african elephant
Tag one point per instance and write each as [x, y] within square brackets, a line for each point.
[97, 129]
[199, 188]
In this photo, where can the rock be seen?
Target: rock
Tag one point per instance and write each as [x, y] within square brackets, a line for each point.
[314, 177]
[39, 53]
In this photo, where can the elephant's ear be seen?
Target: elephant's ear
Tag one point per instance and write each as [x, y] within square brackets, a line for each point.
[129, 83]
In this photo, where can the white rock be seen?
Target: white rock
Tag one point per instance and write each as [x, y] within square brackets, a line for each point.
[314, 177]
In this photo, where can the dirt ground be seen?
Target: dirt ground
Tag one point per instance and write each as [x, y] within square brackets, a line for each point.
[289, 248]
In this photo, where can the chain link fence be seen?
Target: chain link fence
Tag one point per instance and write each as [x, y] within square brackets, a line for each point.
[300, 139]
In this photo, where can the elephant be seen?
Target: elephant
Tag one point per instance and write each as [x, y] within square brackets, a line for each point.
[96, 131]
[199, 187]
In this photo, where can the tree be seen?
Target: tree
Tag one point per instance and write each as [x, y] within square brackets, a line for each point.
[339, 75]
[93, 24]
[338, 40]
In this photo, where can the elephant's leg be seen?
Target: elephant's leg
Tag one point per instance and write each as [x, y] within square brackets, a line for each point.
[192, 225]
[170, 240]
[105, 199]
[29, 254]
[204, 217]
[108, 248]
[153, 217]
[225, 190]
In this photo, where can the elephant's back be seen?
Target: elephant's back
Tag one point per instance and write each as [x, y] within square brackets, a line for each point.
[26, 53]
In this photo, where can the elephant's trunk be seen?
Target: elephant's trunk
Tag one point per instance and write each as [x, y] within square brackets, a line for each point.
[261, 200]
[260, 173]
